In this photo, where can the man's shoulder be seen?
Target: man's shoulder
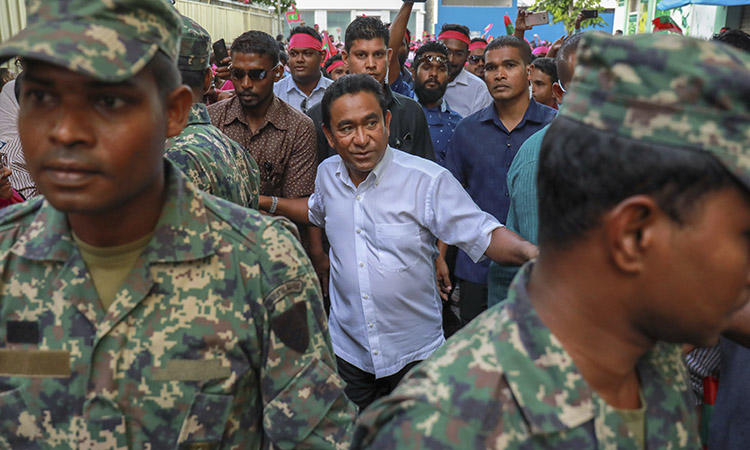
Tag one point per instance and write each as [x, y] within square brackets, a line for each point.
[219, 109]
[407, 103]
[19, 214]
[294, 116]
[416, 164]
[529, 150]
[472, 120]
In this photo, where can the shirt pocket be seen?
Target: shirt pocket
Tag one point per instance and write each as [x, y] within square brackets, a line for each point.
[398, 245]
[206, 421]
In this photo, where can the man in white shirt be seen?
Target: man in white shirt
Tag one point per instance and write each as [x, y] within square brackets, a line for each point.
[466, 93]
[307, 84]
[380, 212]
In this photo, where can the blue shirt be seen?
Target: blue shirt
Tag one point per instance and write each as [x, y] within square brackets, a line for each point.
[479, 156]
[404, 84]
[442, 121]
[523, 213]
[287, 90]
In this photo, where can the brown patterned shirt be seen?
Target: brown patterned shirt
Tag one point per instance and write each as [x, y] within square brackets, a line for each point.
[284, 147]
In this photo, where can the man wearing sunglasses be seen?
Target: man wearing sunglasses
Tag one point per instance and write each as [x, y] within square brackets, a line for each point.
[475, 63]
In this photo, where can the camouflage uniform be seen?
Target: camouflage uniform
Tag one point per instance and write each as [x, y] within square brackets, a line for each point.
[217, 338]
[505, 381]
[213, 161]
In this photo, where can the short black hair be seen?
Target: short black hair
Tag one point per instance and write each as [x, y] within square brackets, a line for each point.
[351, 84]
[307, 30]
[584, 172]
[432, 47]
[329, 61]
[194, 78]
[366, 28]
[165, 72]
[463, 29]
[511, 41]
[735, 38]
[257, 42]
[548, 66]
[569, 46]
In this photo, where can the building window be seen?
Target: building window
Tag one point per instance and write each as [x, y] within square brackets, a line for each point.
[337, 23]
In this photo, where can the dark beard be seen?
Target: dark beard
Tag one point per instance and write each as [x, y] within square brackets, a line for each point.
[426, 95]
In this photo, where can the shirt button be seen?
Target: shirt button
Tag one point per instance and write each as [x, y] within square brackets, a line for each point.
[358, 231]
[359, 197]
[375, 352]
[370, 324]
[363, 264]
[365, 296]
[508, 144]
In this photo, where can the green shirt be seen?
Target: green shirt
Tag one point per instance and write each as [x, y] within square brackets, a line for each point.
[523, 212]
[214, 162]
[505, 381]
[109, 266]
[217, 337]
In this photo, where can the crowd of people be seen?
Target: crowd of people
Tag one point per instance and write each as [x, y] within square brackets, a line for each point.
[455, 242]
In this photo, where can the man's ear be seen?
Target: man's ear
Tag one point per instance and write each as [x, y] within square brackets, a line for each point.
[389, 54]
[207, 79]
[179, 102]
[387, 118]
[557, 92]
[329, 136]
[631, 231]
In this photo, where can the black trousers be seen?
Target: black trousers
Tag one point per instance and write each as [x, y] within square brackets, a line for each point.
[363, 388]
[473, 300]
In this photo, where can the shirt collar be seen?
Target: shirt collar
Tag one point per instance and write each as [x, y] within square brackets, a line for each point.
[198, 115]
[274, 115]
[182, 233]
[323, 83]
[376, 174]
[461, 78]
[534, 113]
[443, 104]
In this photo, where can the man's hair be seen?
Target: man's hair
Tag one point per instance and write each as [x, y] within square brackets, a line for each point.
[331, 60]
[479, 40]
[584, 172]
[366, 28]
[165, 72]
[307, 30]
[511, 41]
[351, 84]
[257, 42]
[194, 78]
[280, 37]
[547, 66]
[431, 47]
[569, 46]
[735, 38]
[463, 29]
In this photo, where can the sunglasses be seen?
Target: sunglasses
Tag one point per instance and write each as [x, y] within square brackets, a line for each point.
[254, 74]
[475, 59]
[434, 59]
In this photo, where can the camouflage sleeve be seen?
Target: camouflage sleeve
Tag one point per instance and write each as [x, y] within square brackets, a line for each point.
[457, 398]
[253, 179]
[191, 166]
[303, 399]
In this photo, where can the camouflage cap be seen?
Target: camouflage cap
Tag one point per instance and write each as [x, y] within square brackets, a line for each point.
[666, 89]
[110, 40]
[195, 46]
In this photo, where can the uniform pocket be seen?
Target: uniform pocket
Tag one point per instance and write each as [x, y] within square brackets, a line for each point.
[17, 424]
[205, 422]
[398, 245]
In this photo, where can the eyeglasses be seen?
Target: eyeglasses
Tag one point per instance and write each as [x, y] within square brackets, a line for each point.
[254, 74]
[475, 59]
[437, 59]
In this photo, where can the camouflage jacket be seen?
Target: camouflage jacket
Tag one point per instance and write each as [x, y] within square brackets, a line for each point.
[505, 381]
[217, 338]
[213, 161]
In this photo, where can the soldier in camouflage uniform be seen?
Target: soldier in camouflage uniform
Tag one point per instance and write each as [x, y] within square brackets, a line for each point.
[216, 337]
[213, 161]
[644, 186]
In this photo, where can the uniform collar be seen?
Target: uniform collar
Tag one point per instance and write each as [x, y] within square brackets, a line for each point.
[182, 233]
[275, 114]
[198, 115]
[552, 394]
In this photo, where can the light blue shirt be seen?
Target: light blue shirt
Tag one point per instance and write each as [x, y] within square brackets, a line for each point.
[385, 307]
[287, 90]
[467, 94]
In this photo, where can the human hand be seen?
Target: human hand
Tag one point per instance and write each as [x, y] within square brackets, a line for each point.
[442, 274]
[555, 47]
[521, 21]
[579, 19]
[6, 191]
[223, 70]
[223, 95]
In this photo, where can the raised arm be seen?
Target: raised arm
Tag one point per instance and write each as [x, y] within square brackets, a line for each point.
[396, 40]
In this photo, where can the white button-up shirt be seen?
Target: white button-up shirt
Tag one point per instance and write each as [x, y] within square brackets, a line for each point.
[467, 94]
[385, 306]
[287, 90]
